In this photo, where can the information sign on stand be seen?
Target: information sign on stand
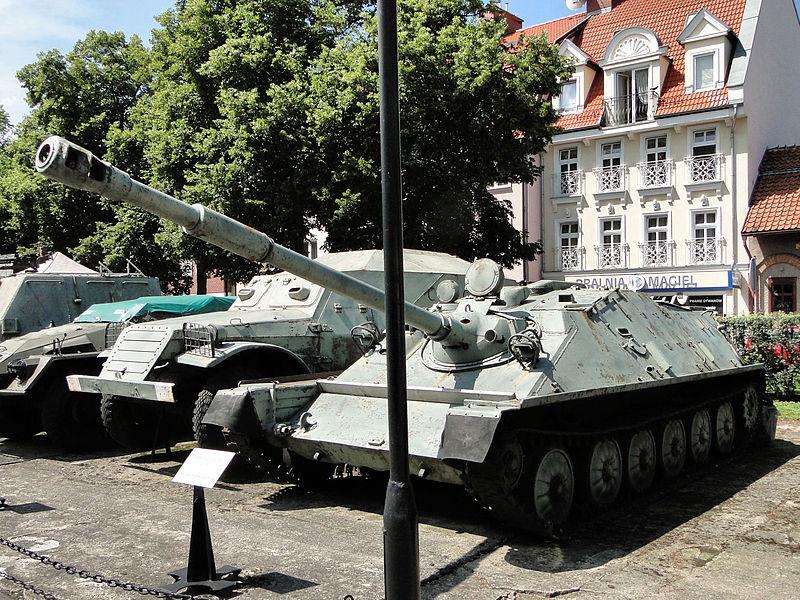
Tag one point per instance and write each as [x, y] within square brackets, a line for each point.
[202, 469]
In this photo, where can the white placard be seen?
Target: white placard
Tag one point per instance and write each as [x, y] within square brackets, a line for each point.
[203, 467]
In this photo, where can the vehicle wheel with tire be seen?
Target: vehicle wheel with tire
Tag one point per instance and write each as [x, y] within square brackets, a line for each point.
[72, 420]
[135, 426]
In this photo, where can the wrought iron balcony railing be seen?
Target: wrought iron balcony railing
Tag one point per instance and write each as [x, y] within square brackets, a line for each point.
[655, 174]
[569, 259]
[568, 183]
[610, 179]
[631, 108]
[611, 256]
[704, 168]
[704, 252]
[657, 254]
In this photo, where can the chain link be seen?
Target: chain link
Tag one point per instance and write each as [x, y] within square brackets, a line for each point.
[28, 586]
[97, 578]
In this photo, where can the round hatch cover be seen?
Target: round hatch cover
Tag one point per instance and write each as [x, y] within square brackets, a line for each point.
[484, 278]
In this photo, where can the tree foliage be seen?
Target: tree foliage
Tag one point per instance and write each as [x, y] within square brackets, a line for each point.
[268, 111]
[473, 113]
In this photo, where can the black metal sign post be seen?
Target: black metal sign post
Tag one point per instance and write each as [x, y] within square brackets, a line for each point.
[400, 534]
[201, 572]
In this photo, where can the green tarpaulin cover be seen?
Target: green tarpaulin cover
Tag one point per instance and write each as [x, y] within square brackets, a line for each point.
[164, 306]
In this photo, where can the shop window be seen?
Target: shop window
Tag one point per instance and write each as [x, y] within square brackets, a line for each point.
[782, 294]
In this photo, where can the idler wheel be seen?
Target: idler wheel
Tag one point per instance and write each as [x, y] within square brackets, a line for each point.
[553, 486]
[641, 461]
[522, 486]
[605, 472]
[724, 428]
[700, 437]
[750, 410]
[673, 448]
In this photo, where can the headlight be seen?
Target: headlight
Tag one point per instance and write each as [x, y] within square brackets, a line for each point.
[18, 368]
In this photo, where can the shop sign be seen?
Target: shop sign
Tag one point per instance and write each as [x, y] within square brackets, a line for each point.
[658, 281]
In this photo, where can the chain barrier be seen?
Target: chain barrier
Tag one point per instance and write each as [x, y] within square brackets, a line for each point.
[97, 578]
[59, 566]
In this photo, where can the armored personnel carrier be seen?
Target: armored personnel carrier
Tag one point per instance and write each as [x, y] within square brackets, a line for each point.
[161, 375]
[33, 389]
[531, 396]
[33, 301]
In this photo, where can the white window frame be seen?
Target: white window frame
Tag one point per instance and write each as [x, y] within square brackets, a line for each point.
[693, 144]
[565, 108]
[667, 228]
[712, 85]
[557, 170]
[622, 240]
[717, 234]
[689, 66]
[558, 239]
[645, 138]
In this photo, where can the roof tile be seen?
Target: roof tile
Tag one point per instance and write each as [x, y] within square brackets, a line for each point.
[666, 19]
[775, 203]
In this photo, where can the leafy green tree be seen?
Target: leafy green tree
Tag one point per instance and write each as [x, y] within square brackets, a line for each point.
[473, 112]
[79, 95]
[223, 124]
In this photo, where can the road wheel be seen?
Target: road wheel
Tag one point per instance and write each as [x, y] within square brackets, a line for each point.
[640, 464]
[724, 428]
[673, 448]
[133, 425]
[604, 472]
[72, 420]
[553, 486]
[700, 437]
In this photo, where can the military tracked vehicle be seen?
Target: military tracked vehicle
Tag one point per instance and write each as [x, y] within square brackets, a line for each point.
[160, 376]
[33, 367]
[533, 397]
[32, 301]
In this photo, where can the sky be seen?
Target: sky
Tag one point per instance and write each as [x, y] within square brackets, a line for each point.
[28, 27]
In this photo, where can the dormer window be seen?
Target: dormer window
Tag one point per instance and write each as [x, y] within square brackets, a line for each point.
[568, 100]
[634, 64]
[704, 72]
[708, 46]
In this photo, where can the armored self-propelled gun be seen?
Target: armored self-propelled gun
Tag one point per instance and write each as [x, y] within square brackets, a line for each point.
[531, 396]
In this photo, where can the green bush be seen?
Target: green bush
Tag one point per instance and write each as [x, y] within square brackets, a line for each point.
[773, 340]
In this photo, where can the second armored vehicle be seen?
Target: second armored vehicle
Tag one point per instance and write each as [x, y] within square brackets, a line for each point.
[160, 375]
[33, 389]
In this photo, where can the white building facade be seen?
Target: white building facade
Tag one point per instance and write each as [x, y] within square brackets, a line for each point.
[665, 121]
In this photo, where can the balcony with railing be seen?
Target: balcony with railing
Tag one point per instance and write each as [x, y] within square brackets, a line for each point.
[657, 254]
[568, 183]
[655, 174]
[631, 108]
[610, 179]
[704, 252]
[569, 258]
[702, 169]
[612, 256]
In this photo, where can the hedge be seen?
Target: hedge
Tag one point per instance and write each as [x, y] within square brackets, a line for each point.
[772, 339]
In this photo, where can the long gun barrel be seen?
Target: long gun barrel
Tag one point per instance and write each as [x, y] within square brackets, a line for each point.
[65, 162]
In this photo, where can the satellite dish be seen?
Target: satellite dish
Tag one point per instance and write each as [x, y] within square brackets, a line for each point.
[575, 4]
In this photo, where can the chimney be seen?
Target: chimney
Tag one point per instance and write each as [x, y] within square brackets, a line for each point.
[593, 6]
[513, 22]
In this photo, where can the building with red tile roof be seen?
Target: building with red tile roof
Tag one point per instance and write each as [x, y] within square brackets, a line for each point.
[664, 122]
[772, 227]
